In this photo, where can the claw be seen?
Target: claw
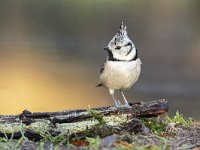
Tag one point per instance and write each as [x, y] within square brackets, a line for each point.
[127, 105]
[117, 105]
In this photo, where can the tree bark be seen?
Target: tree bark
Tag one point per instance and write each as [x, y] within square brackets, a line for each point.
[102, 121]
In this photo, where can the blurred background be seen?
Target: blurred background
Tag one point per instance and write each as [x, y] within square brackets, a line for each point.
[51, 52]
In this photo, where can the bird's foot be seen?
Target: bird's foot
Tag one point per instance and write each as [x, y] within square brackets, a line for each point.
[127, 105]
[118, 104]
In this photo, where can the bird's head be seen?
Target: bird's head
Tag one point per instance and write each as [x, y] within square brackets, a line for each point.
[121, 47]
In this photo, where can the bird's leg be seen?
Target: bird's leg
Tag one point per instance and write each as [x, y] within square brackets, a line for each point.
[117, 103]
[125, 101]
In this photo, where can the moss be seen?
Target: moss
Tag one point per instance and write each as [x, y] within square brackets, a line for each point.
[156, 125]
[10, 128]
[94, 143]
[41, 127]
[82, 126]
[115, 120]
[98, 116]
[179, 119]
[75, 127]
[99, 127]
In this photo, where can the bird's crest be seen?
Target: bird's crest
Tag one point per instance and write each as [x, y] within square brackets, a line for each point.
[120, 36]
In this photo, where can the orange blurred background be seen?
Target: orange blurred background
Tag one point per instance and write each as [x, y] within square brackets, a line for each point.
[51, 53]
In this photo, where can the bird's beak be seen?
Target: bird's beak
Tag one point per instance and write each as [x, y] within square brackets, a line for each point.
[106, 48]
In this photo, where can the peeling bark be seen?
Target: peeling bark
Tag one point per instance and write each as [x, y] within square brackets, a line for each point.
[75, 123]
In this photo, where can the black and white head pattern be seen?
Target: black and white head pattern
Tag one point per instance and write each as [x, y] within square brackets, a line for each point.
[121, 48]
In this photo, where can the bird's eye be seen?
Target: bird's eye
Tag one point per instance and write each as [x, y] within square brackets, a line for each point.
[118, 47]
[128, 44]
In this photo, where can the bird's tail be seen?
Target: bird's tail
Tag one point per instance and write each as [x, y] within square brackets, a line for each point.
[99, 85]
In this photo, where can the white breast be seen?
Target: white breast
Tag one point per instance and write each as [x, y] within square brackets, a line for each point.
[120, 75]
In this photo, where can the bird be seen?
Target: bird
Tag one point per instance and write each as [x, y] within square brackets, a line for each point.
[122, 66]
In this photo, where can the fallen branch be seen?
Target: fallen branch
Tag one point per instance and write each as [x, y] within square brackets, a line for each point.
[80, 122]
